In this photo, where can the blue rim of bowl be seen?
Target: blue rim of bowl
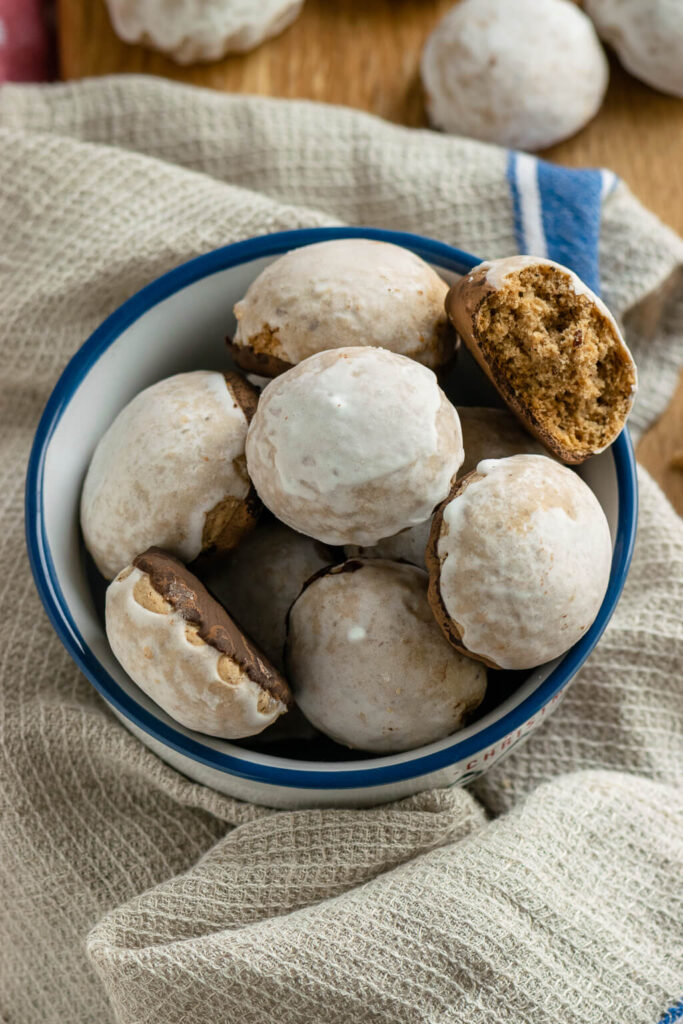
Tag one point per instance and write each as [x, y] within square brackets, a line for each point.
[278, 771]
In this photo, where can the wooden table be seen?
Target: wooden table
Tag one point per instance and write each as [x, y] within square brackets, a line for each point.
[365, 54]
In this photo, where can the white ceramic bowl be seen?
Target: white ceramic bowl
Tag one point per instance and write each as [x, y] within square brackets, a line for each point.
[177, 323]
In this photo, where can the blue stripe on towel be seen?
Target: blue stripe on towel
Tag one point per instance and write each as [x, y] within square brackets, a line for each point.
[673, 1014]
[557, 212]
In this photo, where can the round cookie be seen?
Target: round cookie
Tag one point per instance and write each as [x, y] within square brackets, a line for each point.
[486, 434]
[354, 444]
[519, 73]
[191, 32]
[647, 37]
[185, 652]
[259, 580]
[519, 561]
[346, 292]
[368, 664]
[552, 349]
[171, 471]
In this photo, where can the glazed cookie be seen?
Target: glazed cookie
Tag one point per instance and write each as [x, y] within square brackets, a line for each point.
[552, 349]
[368, 664]
[519, 73]
[648, 38]
[351, 291]
[186, 653]
[171, 471]
[353, 445]
[258, 581]
[201, 30]
[519, 560]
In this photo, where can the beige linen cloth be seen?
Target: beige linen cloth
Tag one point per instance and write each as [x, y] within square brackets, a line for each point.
[554, 892]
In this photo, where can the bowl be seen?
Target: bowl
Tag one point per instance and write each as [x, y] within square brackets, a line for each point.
[178, 323]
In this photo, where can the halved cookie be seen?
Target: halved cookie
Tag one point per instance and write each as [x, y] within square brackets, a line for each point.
[552, 349]
[180, 646]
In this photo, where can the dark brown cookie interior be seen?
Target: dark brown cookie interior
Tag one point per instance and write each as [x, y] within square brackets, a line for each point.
[190, 598]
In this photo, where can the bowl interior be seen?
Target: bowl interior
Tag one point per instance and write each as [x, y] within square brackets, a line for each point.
[178, 324]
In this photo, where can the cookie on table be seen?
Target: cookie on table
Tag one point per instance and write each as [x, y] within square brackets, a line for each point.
[180, 646]
[368, 664]
[260, 579]
[353, 445]
[341, 293]
[486, 434]
[552, 349]
[171, 472]
[647, 38]
[520, 73]
[519, 561]
[190, 32]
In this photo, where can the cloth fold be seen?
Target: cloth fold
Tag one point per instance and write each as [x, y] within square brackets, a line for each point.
[553, 890]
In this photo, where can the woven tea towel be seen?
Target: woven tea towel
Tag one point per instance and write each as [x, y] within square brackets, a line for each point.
[554, 893]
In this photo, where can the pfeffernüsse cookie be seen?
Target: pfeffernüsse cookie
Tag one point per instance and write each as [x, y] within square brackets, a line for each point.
[171, 472]
[184, 651]
[551, 347]
[353, 445]
[190, 32]
[519, 560]
[368, 664]
[341, 293]
[519, 73]
[647, 38]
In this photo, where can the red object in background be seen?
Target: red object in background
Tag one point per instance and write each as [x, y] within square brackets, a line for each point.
[25, 52]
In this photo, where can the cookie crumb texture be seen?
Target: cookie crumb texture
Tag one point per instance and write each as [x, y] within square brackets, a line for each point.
[183, 650]
[560, 357]
[368, 664]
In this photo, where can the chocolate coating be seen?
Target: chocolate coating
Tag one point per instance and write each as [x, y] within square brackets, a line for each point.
[190, 598]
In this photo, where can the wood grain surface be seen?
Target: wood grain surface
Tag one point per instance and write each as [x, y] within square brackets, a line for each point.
[365, 54]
